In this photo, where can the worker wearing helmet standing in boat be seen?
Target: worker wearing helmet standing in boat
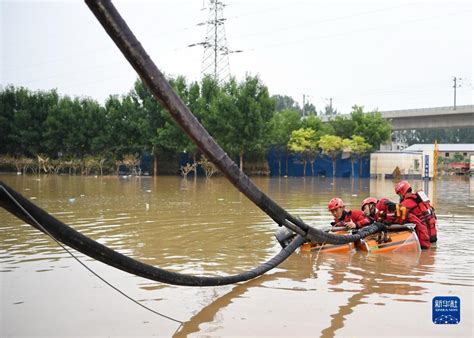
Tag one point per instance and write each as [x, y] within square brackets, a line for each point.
[389, 212]
[418, 204]
[351, 219]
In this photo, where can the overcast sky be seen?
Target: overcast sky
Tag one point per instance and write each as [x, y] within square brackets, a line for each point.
[389, 54]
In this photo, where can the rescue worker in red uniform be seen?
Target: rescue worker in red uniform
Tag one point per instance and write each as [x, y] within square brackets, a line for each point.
[419, 205]
[351, 219]
[368, 207]
[393, 213]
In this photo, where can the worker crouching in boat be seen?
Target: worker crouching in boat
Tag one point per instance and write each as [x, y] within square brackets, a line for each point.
[419, 205]
[368, 207]
[370, 211]
[351, 219]
[394, 213]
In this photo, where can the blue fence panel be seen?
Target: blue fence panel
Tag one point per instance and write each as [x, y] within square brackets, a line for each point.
[322, 166]
[145, 164]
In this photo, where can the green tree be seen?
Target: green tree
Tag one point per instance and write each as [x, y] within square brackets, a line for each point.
[239, 117]
[9, 97]
[458, 157]
[61, 128]
[221, 116]
[315, 123]
[193, 101]
[90, 126]
[445, 135]
[309, 109]
[29, 116]
[357, 147]
[305, 143]
[151, 120]
[343, 127]
[123, 126]
[329, 111]
[95, 129]
[281, 125]
[331, 146]
[371, 126]
[170, 135]
[284, 102]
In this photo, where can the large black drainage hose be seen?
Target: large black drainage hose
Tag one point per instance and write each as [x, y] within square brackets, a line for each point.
[25, 210]
[131, 48]
[21, 207]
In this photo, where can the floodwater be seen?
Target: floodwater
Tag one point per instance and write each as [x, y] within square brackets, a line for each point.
[208, 228]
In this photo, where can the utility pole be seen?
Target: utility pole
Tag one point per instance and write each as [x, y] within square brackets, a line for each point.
[304, 103]
[455, 85]
[305, 96]
[328, 107]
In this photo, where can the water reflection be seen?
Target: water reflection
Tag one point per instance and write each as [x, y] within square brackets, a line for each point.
[208, 313]
[392, 277]
[386, 276]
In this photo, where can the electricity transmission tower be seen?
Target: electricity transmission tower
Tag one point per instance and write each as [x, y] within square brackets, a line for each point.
[215, 60]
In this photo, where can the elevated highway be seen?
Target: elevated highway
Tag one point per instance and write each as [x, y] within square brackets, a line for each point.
[438, 117]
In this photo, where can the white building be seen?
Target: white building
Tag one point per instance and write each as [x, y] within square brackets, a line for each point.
[446, 150]
[384, 164]
[416, 161]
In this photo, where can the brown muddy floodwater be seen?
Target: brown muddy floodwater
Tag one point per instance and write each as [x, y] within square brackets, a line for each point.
[209, 228]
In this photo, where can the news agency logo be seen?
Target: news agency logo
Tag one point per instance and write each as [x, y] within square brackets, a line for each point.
[446, 310]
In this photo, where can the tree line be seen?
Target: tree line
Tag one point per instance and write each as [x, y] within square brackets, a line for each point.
[309, 137]
[442, 135]
[63, 133]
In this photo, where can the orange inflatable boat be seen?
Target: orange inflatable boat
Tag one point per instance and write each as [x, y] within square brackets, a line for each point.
[397, 238]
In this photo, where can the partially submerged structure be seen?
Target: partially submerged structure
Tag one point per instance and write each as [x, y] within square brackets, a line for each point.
[396, 164]
[418, 160]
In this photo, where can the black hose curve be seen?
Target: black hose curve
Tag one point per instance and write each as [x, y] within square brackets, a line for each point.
[91, 248]
[326, 237]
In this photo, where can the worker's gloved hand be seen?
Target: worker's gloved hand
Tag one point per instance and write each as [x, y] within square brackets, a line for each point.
[351, 225]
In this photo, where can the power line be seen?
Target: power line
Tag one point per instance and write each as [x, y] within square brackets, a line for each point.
[353, 31]
[326, 20]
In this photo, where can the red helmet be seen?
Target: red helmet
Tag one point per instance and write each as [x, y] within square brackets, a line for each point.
[335, 203]
[381, 204]
[402, 188]
[368, 200]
